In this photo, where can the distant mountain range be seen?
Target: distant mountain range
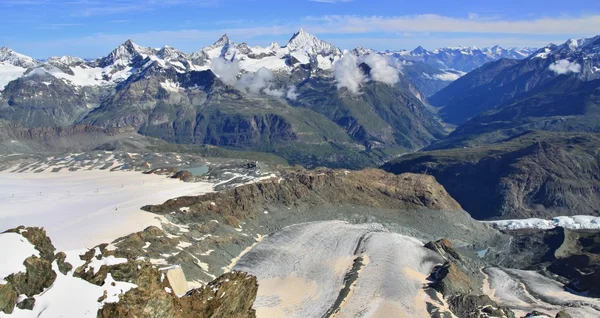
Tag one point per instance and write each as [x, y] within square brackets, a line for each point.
[290, 100]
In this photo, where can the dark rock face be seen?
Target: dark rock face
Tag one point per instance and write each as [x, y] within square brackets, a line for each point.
[370, 187]
[536, 175]
[27, 303]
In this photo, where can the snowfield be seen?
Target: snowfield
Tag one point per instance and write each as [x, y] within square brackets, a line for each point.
[86, 208]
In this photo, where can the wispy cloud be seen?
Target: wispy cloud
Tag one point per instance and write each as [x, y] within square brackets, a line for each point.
[473, 24]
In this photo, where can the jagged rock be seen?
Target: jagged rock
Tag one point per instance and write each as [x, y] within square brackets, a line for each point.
[8, 298]
[38, 276]
[478, 306]
[103, 297]
[63, 267]
[27, 303]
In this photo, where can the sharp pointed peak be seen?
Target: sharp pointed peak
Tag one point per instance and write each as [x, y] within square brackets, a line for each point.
[224, 39]
[129, 42]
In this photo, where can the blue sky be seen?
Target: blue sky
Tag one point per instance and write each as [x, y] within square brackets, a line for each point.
[92, 28]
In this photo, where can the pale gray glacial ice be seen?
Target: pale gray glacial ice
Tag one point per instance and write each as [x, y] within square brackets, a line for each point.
[303, 269]
[526, 291]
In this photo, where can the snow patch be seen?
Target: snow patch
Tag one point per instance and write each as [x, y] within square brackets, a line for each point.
[14, 249]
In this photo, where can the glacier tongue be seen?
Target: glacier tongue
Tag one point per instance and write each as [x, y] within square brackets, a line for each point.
[315, 269]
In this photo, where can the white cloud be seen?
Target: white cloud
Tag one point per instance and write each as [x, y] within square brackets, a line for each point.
[449, 77]
[381, 70]
[226, 70]
[345, 24]
[348, 74]
[260, 82]
[291, 93]
[564, 67]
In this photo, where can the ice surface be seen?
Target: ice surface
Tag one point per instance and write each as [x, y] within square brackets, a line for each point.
[301, 271]
[525, 291]
[85, 208]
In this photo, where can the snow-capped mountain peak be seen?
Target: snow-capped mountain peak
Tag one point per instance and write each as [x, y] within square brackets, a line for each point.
[125, 54]
[64, 60]
[274, 46]
[221, 42]
[419, 50]
[9, 56]
[361, 51]
[303, 41]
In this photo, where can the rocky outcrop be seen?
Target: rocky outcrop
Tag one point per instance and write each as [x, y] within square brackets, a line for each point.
[369, 187]
[38, 274]
[454, 277]
[477, 306]
[230, 295]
